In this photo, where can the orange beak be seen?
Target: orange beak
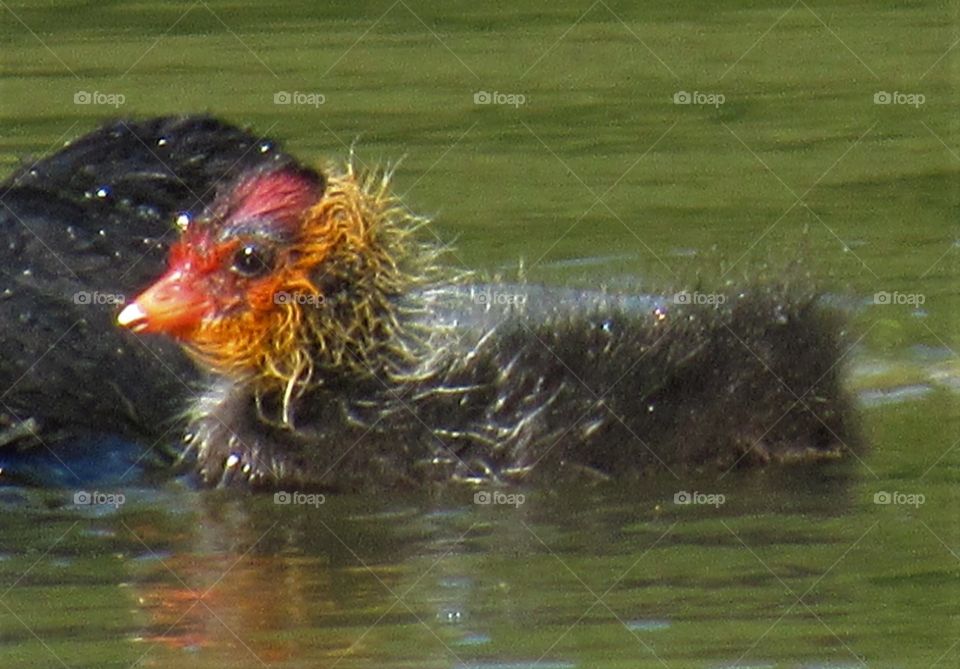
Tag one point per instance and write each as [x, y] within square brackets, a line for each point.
[173, 305]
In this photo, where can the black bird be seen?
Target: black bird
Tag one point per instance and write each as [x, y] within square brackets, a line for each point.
[82, 230]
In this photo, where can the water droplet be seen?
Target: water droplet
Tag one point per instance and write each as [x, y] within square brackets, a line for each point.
[451, 616]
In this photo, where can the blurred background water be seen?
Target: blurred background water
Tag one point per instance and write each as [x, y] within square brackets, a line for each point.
[642, 148]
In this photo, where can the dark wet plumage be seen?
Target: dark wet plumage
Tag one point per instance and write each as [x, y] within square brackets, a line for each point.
[572, 385]
[559, 383]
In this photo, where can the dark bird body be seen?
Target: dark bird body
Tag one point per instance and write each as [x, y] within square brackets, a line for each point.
[389, 375]
[568, 385]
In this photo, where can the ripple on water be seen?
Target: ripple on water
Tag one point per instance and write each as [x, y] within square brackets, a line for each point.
[645, 625]
[532, 664]
[875, 398]
[457, 582]
[474, 639]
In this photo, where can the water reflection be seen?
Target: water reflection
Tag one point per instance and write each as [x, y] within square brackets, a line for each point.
[449, 581]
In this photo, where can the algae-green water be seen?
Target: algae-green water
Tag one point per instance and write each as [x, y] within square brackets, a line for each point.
[634, 146]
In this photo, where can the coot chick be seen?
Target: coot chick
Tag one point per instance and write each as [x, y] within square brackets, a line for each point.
[346, 356]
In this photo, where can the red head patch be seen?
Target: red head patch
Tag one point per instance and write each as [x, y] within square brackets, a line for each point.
[261, 210]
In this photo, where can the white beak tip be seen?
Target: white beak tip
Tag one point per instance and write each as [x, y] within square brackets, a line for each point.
[132, 316]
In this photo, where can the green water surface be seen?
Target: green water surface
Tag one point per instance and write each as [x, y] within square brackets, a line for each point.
[583, 171]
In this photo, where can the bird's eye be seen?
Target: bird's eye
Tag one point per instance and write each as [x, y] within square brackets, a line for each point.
[251, 260]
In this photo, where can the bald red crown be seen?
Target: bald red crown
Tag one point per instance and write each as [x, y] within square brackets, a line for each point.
[282, 196]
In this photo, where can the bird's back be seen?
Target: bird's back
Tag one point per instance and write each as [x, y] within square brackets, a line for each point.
[554, 382]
